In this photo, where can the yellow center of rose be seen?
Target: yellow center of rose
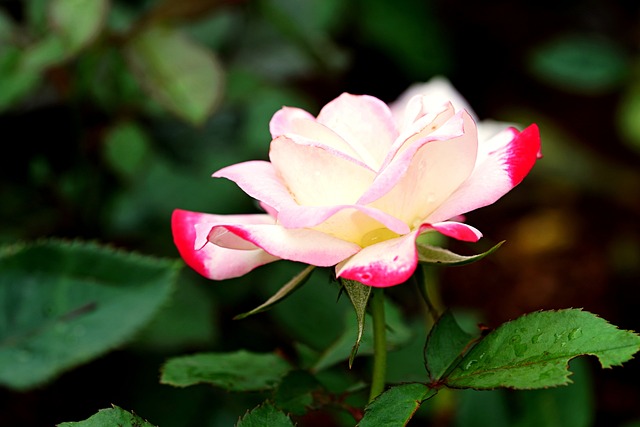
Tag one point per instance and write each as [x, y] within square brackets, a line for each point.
[377, 236]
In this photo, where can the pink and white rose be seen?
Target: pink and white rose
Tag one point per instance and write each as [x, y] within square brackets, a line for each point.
[355, 186]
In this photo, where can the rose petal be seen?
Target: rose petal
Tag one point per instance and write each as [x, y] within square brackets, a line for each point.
[323, 217]
[457, 230]
[302, 245]
[384, 264]
[302, 127]
[437, 91]
[259, 180]
[423, 125]
[212, 261]
[317, 175]
[503, 162]
[423, 176]
[364, 122]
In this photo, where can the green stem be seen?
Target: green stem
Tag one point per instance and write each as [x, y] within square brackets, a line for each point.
[379, 344]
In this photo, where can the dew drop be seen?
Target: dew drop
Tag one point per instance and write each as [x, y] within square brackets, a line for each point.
[515, 339]
[469, 364]
[575, 334]
[536, 338]
[520, 349]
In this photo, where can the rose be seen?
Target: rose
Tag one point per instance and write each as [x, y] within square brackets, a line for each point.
[355, 186]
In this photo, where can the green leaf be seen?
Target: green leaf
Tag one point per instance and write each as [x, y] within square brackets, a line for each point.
[533, 351]
[446, 344]
[78, 22]
[110, 417]
[290, 287]
[44, 53]
[187, 321]
[572, 406]
[393, 28]
[265, 415]
[580, 63]
[428, 254]
[359, 295]
[15, 83]
[178, 73]
[396, 406]
[67, 303]
[295, 392]
[126, 147]
[237, 371]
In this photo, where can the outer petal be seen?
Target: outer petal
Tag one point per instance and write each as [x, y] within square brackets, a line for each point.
[302, 245]
[364, 122]
[384, 264]
[503, 162]
[259, 180]
[212, 261]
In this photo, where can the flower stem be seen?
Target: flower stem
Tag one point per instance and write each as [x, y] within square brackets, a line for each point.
[379, 344]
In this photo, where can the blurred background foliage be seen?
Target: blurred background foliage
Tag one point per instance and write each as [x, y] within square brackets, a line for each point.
[113, 113]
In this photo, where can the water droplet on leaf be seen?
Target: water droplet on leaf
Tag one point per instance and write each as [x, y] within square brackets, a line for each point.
[575, 334]
[469, 364]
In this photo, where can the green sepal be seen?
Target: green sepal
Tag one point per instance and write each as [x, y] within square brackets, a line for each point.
[290, 287]
[359, 295]
[435, 255]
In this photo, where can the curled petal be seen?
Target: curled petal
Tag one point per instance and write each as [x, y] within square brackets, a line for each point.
[457, 230]
[502, 163]
[384, 264]
[259, 180]
[211, 261]
[286, 120]
[301, 244]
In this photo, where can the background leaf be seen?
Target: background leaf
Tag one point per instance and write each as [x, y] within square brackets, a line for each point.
[180, 74]
[110, 417]
[78, 22]
[237, 371]
[67, 303]
[396, 406]
[534, 350]
[265, 415]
